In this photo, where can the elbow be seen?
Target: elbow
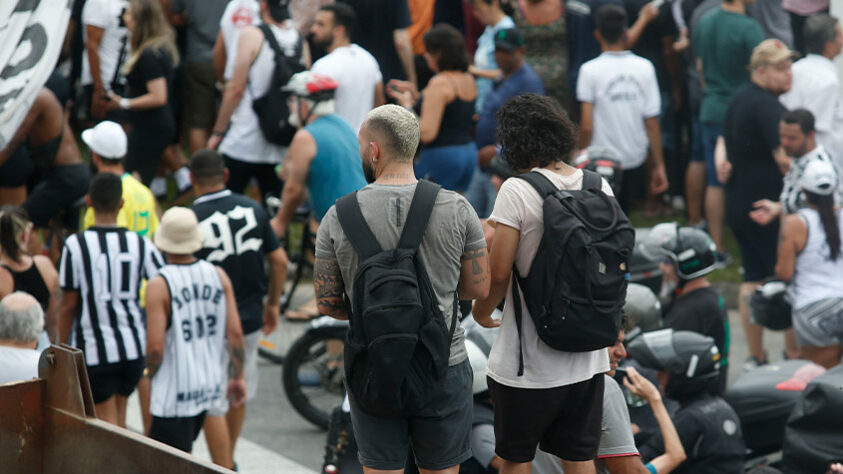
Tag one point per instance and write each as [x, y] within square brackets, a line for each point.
[427, 135]
[501, 276]
[280, 262]
[784, 274]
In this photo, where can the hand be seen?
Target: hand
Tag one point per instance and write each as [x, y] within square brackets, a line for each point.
[487, 321]
[765, 211]
[783, 161]
[271, 313]
[648, 12]
[640, 386]
[485, 154]
[683, 42]
[658, 180]
[724, 171]
[236, 393]
[213, 142]
[113, 101]
[99, 103]
[279, 228]
[396, 85]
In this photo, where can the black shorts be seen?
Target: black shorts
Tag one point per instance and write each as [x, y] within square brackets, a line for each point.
[59, 189]
[119, 378]
[633, 187]
[241, 172]
[758, 245]
[15, 172]
[179, 433]
[564, 421]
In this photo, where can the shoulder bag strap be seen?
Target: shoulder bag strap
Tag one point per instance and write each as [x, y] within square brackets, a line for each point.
[591, 180]
[540, 183]
[355, 227]
[418, 216]
[516, 306]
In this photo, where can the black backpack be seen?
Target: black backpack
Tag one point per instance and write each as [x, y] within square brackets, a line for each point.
[576, 285]
[271, 109]
[397, 346]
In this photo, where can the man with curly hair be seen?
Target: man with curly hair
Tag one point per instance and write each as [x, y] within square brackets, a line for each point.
[557, 401]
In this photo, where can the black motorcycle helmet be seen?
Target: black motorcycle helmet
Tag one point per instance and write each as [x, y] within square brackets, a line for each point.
[691, 250]
[770, 304]
[643, 308]
[692, 360]
[604, 162]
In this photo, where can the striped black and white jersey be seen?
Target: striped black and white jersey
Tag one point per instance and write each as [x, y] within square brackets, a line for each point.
[191, 376]
[106, 265]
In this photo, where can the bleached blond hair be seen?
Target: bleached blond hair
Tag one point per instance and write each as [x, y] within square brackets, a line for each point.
[398, 129]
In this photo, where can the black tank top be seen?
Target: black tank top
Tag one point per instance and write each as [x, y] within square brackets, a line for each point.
[457, 119]
[30, 281]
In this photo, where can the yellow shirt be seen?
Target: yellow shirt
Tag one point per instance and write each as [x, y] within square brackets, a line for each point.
[137, 214]
[138, 211]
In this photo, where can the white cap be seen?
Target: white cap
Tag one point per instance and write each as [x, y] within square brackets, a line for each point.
[107, 140]
[819, 177]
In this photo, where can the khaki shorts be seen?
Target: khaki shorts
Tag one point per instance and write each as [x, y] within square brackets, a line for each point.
[200, 95]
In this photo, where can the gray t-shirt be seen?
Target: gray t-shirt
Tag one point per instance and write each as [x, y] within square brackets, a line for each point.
[615, 439]
[453, 229]
[203, 25]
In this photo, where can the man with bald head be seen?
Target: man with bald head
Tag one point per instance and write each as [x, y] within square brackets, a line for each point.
[21, 322]
[453, 250]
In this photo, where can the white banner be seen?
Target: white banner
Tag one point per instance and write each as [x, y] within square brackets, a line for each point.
[31, 37]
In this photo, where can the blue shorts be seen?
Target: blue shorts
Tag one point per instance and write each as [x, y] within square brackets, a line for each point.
[697, 148]
[710, 132]
[449, 166]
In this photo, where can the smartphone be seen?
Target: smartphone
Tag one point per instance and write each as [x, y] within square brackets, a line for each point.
[620, 373]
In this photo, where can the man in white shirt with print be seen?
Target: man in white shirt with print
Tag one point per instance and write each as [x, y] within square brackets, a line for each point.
[357, 72]
[620, 107]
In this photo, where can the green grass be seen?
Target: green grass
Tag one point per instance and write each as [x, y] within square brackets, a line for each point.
[730, 274]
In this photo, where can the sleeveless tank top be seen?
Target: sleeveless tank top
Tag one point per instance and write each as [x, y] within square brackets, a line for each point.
[816, 276]
[30, 281]
[457, 120]
[191, 377]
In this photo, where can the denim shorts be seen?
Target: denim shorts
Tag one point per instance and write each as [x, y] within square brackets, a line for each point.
[710, 132]
[449, 166]
[440, 434]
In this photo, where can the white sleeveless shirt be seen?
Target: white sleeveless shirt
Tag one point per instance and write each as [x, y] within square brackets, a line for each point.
[191, 376]
[816, 276]
[244, 140]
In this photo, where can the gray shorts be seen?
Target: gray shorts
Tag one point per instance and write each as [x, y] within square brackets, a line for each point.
[440, 434]
[819, 324]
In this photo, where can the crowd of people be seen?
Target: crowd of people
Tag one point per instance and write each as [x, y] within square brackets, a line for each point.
[726, 115]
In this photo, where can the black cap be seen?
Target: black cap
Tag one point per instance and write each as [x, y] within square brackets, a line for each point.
[509, 39]
[278, 9]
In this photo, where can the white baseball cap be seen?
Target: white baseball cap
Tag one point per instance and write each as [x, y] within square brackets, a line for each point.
[107, 140]
[819, 177]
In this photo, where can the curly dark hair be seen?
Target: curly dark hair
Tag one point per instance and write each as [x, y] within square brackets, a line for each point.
[535, 131]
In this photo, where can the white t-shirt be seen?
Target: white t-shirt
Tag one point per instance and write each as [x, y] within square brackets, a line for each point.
[357, 72]
[237, 15]
[18, 364]
[519, 206]
[244, 140]
[624, 90]
[106, 14]
[816, 87]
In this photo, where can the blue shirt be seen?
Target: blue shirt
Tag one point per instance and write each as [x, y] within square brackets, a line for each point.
[484, 58]
[336, 169]
[524, 80]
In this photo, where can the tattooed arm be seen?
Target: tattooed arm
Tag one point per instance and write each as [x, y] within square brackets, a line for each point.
[236, 344]
[474, 274]
[330, 289]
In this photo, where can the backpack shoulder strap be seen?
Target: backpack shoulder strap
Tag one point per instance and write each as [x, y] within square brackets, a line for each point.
[356, 229]
[540, 182]
[419, 214]
[269, 37]
[591, 180]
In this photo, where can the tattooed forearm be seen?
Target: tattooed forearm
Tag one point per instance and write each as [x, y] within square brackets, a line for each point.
[238, 357]
[329, 287]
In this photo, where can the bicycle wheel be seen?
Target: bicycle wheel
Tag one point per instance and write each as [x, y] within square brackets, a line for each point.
[313, 374]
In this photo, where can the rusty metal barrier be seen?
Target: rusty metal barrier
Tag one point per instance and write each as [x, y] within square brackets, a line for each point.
[48, 425]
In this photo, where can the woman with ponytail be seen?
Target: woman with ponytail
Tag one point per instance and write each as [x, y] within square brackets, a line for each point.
[21, 272]
[811, 258]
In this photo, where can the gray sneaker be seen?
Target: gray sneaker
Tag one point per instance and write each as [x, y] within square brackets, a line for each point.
[752, 363]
